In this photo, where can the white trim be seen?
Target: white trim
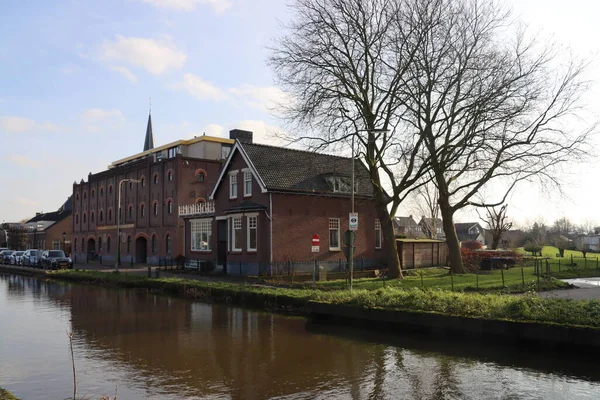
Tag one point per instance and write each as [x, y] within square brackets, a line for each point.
[378, 234]
[233, 195]
[249, 163]
[339, 234]
[221, 217]
[248, 248]
[233, 248]
[200, 223]
[245, 172]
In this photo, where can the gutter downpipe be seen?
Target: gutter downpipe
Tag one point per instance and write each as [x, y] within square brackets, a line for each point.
[271, 232]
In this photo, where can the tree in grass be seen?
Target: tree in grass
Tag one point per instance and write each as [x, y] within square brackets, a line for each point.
[562, 243]
[582, 245]
[497, 223]
[533, 248]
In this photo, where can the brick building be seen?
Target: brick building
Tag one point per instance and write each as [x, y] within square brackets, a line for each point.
[181, 172]
[268, 203]
[51, 231]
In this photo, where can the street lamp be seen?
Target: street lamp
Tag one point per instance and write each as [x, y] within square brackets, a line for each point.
[351, 247]
[118, 260]
[64, 236]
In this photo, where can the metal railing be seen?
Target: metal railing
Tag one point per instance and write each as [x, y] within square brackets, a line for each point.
[197, 209]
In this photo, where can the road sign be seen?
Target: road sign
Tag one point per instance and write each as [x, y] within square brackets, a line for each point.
[346, 251]
[353, 225]
[349, 238]
[315, 244]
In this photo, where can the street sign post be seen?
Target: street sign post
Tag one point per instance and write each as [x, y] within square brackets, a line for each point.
[353, 221]
[315, 244]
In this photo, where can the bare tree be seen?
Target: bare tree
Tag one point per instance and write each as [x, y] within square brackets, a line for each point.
[343, 62]
[587, 226]
[491, 110]
[497, 223]
[426, 203]
[563, 227]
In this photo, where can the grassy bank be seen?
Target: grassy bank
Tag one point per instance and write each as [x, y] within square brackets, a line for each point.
[6, 395]
[528, 307]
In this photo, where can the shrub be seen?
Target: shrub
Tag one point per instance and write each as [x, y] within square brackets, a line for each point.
[472, 258]
[471, 245]
[533, 248]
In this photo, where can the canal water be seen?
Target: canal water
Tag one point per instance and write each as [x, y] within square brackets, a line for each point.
[142, 345]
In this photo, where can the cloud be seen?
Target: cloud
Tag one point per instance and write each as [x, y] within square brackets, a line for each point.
[201, 89]
[125, 72]
[98, 114]
[264, 98]
[26, 202]
[261, 131]
[12, 124]
[154, 56]
[219, 6]
[22, 161]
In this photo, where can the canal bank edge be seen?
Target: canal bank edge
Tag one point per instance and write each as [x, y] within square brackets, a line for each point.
[308, 303]
[6, 395]
[437, 324]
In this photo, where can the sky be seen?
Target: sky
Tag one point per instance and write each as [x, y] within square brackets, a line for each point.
[76, 78]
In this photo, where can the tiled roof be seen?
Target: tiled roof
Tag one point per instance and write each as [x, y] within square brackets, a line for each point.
[247, 205]
[284, 169]
[51, 216]
[405, 221]
[464, 226]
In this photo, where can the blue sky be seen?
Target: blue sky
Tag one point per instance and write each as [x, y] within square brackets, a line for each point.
[76, 76]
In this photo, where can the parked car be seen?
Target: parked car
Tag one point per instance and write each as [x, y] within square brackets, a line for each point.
[31, 257]
[5, 256]
[16, 258]
[55, 259]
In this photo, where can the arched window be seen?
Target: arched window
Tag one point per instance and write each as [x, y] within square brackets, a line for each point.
[156, 179]
[108, 244]
[170, 176]
[200, 177]
[83, 245]
[129, 244]
[93, 193]
[153, 244]
[100, 216]
[169, 207]
[84, 195]
[142, 209]
[110, 214]
[130, 211]
[76, 218]
[75, 247]
[168, 244]
[109, 189]
[101, 191]
[84, 218]
[200, 200]
[77, 197]
[155, 208]
[143, 182]
[92, 217]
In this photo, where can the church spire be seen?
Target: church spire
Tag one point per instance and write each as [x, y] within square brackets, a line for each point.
[149, 142]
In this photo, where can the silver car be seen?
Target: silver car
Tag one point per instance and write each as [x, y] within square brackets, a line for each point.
[31, 258]
[5, 256]
[16, 258]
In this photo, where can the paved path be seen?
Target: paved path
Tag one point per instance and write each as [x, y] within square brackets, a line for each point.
[587, 289]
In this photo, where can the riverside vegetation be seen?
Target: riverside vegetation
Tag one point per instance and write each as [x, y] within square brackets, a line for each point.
[494, 306]
[6, 395]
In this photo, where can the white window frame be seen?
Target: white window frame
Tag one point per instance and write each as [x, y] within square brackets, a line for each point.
[236, 224]
[378, 234]
[233, 184]
[247, 182]
[251, 224]
[203, 229]
[334, 224]
[56, 245]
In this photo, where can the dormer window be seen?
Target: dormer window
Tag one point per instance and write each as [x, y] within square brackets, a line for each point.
[341, 184]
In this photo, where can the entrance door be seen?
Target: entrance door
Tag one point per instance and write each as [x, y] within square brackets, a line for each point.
[91, 249]
[222, 244]
[141, 249]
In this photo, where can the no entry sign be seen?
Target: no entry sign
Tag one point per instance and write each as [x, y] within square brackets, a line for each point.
[315, 244]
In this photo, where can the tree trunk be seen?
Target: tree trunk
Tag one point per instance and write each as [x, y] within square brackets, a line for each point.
[390, 247]
[454, 256]
[495, 240]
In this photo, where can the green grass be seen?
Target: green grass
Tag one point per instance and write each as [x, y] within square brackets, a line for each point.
[528, 307]
[552, 251]
[6, 395]
[484, 281]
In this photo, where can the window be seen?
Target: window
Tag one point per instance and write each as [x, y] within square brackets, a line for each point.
[92, 217]
[76, 218]
[110, 214]
[334, 234]
[101, 216]
[172, 152]
[170, 176]
[169, 207]
[75, 245]
[84, 218]
[142, 208]
[143, 182]
[56, 245]
[168, 244]
[99, 244]
[93, 193]
[130, 185]
[378, 237]
[101, 191]
[201, 232]
[82, 245]
[129, 244]
[252, 233]
[155, 208]
[247, 183]
[156, 179]
[130, 211]
[153, 244]
[233, 188]
[108, 244]
[236, 239]
[77, 196]
[110, 189]
[200, 177]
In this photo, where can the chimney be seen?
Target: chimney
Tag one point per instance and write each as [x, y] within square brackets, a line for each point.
[240, 135]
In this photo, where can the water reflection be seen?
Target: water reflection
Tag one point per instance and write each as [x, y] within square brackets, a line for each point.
[157, 347]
